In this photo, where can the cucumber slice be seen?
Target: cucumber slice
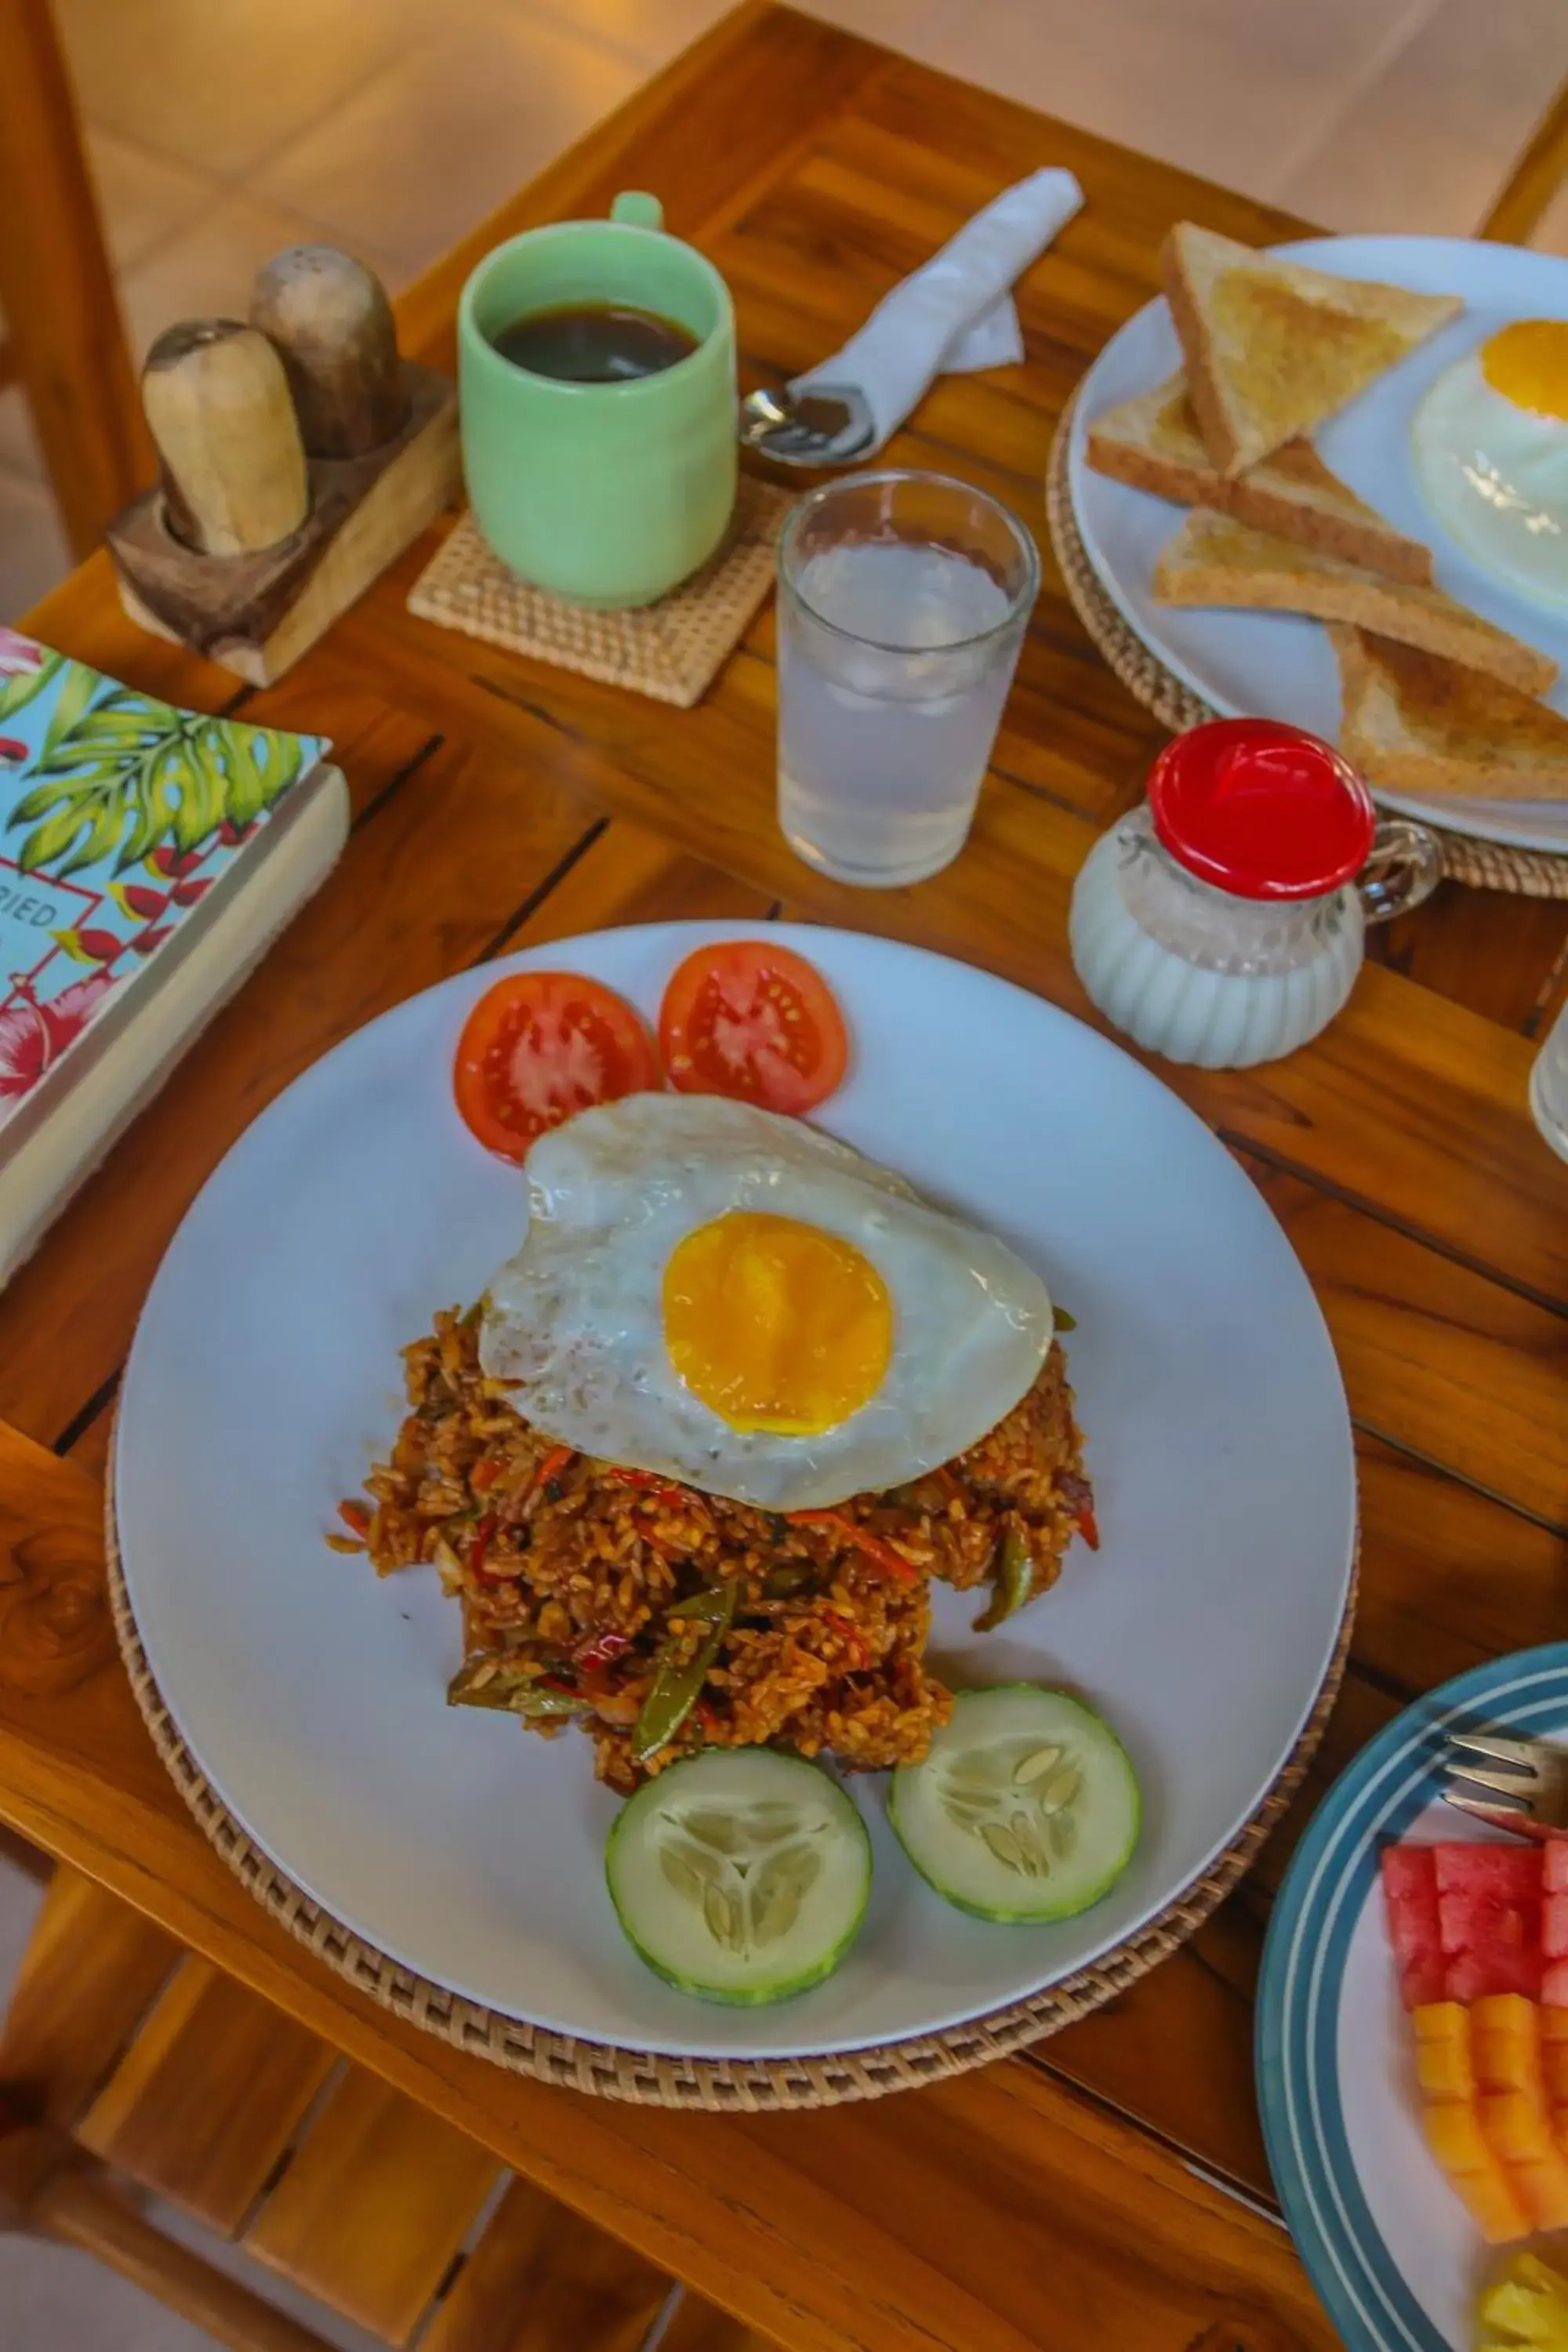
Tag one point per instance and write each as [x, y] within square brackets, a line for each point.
[1025, 1808]
[741, 1874]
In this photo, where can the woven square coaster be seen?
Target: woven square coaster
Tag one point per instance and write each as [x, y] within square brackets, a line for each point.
[671, 650]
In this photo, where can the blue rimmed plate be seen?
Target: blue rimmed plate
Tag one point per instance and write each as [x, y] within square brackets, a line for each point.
[1391, 2252]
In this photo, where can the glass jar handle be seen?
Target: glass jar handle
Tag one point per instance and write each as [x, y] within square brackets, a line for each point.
[1403, 868]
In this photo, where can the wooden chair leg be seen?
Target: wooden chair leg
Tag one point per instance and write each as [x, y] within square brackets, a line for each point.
[47, 2190]
[1520, 202]
[62, 312]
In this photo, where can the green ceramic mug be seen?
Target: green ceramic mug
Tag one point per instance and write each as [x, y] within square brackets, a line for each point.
[609, 493]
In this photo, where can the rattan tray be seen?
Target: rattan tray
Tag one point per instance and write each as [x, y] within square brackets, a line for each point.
[754, 2084]
[1486, 865]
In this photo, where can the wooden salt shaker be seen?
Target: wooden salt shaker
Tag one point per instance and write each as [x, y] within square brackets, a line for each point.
[301, 456]
[216, 400]
[332, 323]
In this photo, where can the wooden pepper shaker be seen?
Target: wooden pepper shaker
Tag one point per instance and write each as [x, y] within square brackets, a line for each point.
[331, 320]
[216, 400]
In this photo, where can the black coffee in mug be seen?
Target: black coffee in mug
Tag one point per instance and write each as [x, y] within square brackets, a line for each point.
[593, 342]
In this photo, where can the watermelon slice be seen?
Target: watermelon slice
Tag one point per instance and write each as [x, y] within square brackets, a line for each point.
[1410, 1902]
[1508, 1873]
[1555, 1986]
[1554, 1866]
[1468, 1920]
[1554, 1928]
[1499, 1967]
[1488, 1916]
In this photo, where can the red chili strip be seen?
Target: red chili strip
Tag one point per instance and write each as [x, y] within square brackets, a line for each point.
[553, 1464]
[860, 1657]
[660, 1490]
[483, 1475]
[609, 1645]
[484, 1535]
[1089, 1526]
[354, 1516]
[874, 1548]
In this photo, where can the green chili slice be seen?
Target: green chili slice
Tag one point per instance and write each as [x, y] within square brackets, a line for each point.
[489, 1681]
[677, 1680]
[1013, 1584]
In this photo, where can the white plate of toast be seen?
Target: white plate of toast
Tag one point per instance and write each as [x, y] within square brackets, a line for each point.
[1310, 578]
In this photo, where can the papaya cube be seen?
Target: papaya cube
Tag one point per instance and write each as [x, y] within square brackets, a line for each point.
[1440, 2020]
[1444, 2070]
[1554, 2069]
[1542, 2191]
[1504, 2045]
[1493, 2205]
[1554, 2025]
[1455, 2136]
[1442, 2032]
[1516, 2127]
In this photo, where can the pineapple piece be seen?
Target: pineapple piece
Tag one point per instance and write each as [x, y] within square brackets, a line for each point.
[1528, 2305]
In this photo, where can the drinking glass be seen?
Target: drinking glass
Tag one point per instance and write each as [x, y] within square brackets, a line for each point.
[903, 598]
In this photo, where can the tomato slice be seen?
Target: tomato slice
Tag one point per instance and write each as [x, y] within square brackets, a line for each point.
[753, 1020]
[540, 1045]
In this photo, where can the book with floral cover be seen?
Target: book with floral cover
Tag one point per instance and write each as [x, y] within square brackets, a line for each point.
[147, 854]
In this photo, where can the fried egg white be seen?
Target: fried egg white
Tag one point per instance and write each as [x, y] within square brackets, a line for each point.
[716, 1294]
[1490, 444]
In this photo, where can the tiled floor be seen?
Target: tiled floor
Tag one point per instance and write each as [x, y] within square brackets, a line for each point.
[220, 133]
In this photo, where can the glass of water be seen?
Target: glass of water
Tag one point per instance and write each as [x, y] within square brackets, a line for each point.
[903, 599]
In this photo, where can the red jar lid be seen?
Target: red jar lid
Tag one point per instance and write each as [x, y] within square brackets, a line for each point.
[1262, 810]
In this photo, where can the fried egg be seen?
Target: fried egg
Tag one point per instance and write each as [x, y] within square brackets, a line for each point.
[719, 1295]
[1490, 444]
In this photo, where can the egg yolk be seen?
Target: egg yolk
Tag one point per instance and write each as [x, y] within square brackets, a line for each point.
[776, 1325]
[1527, 365]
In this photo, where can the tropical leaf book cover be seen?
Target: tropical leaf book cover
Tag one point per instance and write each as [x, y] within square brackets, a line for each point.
[117, 814]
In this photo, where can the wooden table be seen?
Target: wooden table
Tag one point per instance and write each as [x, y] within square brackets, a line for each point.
[1109, 2187]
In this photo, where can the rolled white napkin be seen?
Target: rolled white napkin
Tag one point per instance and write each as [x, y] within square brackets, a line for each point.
[954, 315]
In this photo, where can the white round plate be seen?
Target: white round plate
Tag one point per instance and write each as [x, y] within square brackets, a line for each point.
[265, 1376]
[1278, 665]
[1388, 2246]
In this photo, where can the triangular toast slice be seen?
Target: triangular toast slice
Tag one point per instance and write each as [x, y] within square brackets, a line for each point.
[1272, 347]
[1213, 560]
[1416, 723]
[1152, 442]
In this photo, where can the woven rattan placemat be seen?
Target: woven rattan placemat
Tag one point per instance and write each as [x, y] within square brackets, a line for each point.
[754, 2084]
[1487, 865]
[671, 650]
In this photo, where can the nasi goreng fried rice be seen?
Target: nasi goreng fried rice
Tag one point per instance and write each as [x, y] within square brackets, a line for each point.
[665, 1620]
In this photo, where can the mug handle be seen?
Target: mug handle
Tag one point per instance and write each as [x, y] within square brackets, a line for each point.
[634, 208]
[1403, 868]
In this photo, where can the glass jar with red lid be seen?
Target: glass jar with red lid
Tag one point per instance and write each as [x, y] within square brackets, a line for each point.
[1222, 921]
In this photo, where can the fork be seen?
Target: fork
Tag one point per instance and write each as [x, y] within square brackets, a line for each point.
[1531, 1775]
